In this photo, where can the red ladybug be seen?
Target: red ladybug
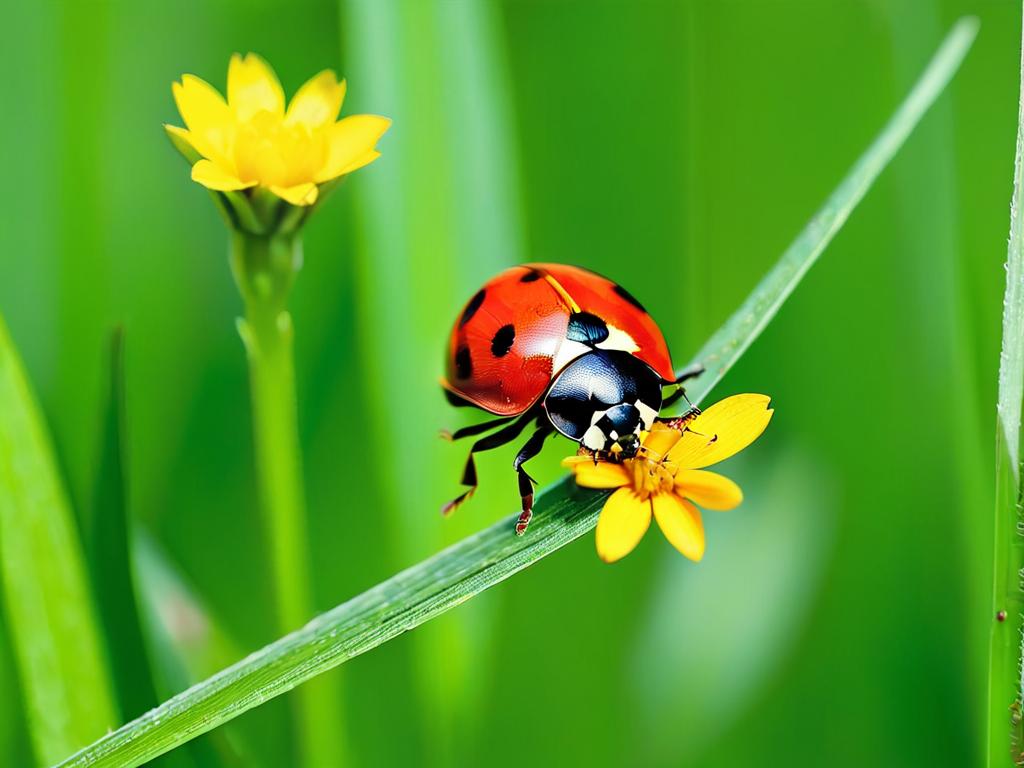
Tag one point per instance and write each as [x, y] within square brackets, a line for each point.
[566, 349]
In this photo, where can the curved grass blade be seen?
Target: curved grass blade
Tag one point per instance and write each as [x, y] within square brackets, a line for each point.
[1005, 728]
[562, 513]
[47, 599]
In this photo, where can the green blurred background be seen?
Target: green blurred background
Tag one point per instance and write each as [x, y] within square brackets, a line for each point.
[841, 613]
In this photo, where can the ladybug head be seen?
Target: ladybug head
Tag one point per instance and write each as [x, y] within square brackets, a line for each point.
[604, 400]
[626, 446]
[617, 431]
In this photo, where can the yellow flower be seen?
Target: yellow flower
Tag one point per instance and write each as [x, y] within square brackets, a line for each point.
[666, 478]
[253, 141]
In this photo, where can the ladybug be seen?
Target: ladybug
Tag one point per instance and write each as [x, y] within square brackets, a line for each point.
[565, 349]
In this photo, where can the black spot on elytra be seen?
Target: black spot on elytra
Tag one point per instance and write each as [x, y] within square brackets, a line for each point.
[629, 297]
[502, 341]
[463, 363]
[586, 328]
[529, 277]
[472, 307]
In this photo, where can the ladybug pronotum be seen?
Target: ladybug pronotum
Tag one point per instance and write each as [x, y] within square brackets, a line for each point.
[562, 348]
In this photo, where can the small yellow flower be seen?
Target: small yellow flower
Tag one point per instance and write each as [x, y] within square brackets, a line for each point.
[253, 141]
[666, 478]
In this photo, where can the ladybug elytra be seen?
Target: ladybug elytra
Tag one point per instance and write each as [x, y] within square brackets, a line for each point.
[565, 349]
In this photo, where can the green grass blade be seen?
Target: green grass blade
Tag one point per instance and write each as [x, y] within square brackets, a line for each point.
[106, 532]
[56, 641]
[14, 744]
[563, 513]
[107, 535]
[443, 81]
[1005, 731]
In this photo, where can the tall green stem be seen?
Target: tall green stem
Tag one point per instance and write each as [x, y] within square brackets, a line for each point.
[265, 267]
[1005, 731]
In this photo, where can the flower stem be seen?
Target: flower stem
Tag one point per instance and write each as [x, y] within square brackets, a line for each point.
[264, 267]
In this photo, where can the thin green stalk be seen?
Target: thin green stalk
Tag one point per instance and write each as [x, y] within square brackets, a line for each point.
[265, 268]
[1005, 734]
[562, 514]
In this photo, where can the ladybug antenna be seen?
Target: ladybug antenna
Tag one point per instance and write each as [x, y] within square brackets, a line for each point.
[563, 294]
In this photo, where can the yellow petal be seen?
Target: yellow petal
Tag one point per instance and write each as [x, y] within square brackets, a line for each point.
[300, 194]
[708, 489]
[253, 87]
[623, 522]
[181, 139]
[351, 144]
[364, 159]
[318, 102]
[210, 123]
[601, 475]
[659, 441]
[680, 521]
[212, 176]
[180, 132]
[725, 428]
[571, 461]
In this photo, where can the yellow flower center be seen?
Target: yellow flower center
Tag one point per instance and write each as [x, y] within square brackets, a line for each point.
[650, 477]
[271, 152]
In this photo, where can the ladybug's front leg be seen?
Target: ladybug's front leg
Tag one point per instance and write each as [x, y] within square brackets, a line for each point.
[526, 483]
[691, 372]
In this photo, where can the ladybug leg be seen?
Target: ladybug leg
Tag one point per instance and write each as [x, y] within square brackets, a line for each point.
[526, 483]
[506, 434]
[692, 372]
[671, 399]
[475, 429]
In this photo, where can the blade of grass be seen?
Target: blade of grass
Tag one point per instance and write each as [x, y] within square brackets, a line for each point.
[562, 514]
[107, 535]
[932, 225]
[1005, 734]
[436, 68]
[14, 744]
[56, 640]
[107, 531]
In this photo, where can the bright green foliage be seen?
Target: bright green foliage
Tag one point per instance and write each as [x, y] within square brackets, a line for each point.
[562, 514]
[49, 610]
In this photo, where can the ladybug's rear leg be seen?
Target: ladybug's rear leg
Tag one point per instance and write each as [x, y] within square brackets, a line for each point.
[506, 434]
[526, 483]
[475, 429]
